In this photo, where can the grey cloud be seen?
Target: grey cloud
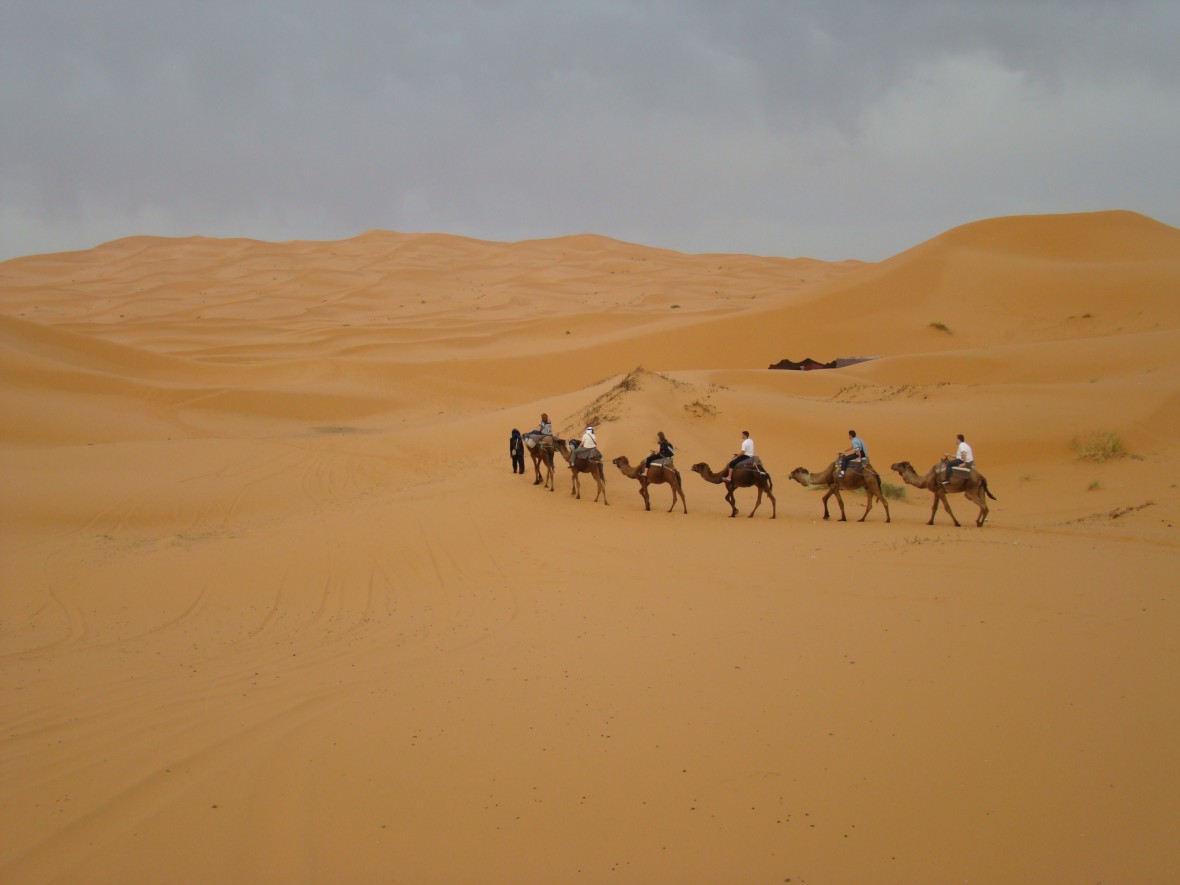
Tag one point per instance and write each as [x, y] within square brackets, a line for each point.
[835, 129]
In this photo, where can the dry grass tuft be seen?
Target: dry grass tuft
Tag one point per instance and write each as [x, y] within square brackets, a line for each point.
[1098, 445]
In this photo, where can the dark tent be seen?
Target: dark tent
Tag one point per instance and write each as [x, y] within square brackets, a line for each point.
[805, 365]
[808, 364]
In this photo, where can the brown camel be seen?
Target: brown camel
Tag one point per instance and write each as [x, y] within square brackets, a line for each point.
[654, 475]
[854, 478]
[542, 453]
[584, 465]
[741, 478]
[973, 485]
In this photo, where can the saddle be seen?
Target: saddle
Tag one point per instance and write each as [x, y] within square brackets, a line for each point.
[594, 454]
[533, 441]
[754, 463]
[666, 463]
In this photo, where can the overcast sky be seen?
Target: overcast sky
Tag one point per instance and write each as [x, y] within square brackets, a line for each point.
[832, 129]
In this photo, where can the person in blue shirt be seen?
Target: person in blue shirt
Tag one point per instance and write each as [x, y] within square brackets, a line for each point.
[855, 452]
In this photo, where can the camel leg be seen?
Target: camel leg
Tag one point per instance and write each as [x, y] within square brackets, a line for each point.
[839, 500]
[645, 495]
[729, 499]
[827, 495]
[600, 478]
[885, 504]
[773, 504]
[677, 492]
[757, 502]
[977, 499]
[868, 506]
[946, 505]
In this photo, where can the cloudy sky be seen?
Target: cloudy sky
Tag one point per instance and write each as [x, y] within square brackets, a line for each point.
[828, 128]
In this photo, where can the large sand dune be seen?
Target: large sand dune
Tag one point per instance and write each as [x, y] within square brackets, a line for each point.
[275, 608]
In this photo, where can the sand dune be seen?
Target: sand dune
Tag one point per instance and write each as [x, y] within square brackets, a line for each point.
[275, 608]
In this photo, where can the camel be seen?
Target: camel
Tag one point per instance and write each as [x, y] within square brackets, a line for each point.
[973, 485]
[584, 465]
[654, 475]
[853, 478]
[742, 477]
[542, 453]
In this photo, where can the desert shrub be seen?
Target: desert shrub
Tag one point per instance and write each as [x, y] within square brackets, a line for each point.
[891, 491]
[941, 327]
[1098, 445]
[701, 409]
[631, 381]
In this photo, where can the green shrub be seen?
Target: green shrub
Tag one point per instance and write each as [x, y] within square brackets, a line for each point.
[893, 491]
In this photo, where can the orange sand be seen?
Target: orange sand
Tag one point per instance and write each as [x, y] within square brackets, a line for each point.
[275, 608]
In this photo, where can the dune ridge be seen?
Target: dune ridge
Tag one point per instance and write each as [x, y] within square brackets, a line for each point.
[275, 608]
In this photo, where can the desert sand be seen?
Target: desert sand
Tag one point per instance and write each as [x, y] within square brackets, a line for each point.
[276, 609]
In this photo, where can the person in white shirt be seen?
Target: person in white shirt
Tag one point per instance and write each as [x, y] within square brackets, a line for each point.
[588, 444]
[963, 455]
[741, 457]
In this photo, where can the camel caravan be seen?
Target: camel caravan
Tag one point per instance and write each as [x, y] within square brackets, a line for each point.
[851, 470]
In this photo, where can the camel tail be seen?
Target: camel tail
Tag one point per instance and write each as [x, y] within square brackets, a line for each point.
[988, 491]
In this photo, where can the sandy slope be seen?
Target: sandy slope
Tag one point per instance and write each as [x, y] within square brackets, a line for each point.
[274, 608]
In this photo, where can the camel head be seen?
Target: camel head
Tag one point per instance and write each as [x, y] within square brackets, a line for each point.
[701, 468]
[902, 467]
[621, 461]
[801, 475]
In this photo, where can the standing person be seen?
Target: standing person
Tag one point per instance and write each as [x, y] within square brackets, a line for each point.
[855, 452]
[516, 451]
[664, 449]
[963, 455]
[741, 457]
